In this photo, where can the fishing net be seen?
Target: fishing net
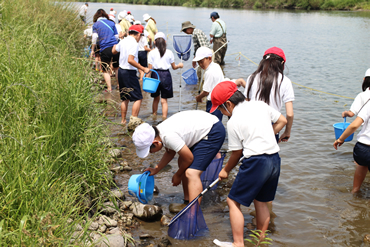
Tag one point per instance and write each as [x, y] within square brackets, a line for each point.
[189, 224]
[212, 171]
[182, 45]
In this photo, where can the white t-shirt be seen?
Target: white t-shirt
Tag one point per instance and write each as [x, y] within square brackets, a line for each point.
[143, 41]
[360, 100]
[250, 129]
[130, 18]
[83, 10]
[186, 128]
[127, 46]
[286, 92]
[158, 62]
[212, 77]
[364, 135]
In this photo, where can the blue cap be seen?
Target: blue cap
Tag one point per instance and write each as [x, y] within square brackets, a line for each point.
[214, 15]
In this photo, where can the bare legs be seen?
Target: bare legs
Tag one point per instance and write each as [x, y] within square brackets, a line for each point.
[262, 216]
[236, 221]
[135, 109]
[164, 106]
[359, 177]
[107, 80]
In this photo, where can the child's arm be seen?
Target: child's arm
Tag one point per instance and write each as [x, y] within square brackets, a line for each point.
[231, 163]
[279, 124]
[240, 82]
[350, 129]
[289, 116]
[347, 114]
[131, 60]
[175, 67]
[201, 96]
[166, 158]
[186, 157]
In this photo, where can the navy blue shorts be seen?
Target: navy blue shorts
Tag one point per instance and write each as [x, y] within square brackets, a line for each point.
[217, 112]
[361, 154]
[164, 89]
[106, 57]
[206, 149]
[128, 81]
[143, 58]
[257, 178]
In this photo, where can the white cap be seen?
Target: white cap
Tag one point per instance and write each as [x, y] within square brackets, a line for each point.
[159, 35]
[143, 138]
[122, 15]
[201, 53]
[367, 72]
[146, 17]
[137, 22]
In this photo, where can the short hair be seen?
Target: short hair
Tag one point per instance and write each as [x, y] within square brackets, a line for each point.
[237, 98]
[366, 83]
[133, 32]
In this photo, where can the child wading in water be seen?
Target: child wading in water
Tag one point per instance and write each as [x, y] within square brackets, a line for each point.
[361, 151]
[250, 136]
[161, 59]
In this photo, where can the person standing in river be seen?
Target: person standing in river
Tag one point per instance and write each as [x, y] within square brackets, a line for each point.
[151, 27]
[83, 12]
[218, 38]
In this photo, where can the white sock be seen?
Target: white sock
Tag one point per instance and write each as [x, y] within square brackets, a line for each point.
[222, 244]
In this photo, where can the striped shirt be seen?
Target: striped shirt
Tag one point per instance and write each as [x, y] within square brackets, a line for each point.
[200, 39]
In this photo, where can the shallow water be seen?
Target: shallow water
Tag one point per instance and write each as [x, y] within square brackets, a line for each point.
[328, 51]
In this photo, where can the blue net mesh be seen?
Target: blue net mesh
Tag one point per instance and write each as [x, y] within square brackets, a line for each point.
[190, 76]
[189, 225]
[182, 45]
[212, 171]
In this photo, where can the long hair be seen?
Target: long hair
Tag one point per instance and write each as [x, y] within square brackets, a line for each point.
[160, 43]
[153, 20]
[100, 13]
[366, 83]
[269, 68]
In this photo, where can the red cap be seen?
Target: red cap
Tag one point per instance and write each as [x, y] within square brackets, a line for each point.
[128, 12]
[277, 51]
[137, 28]
[221, 93]
[111, 9]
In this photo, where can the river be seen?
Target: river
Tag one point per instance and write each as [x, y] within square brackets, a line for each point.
[327, 51]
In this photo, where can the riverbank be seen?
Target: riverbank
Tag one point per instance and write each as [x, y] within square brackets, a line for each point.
[255, 4]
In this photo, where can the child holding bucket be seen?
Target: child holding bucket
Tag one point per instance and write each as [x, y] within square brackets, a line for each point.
[253, 139]
[196, 136]
[361, 151]
[128, 65]
[161, 59]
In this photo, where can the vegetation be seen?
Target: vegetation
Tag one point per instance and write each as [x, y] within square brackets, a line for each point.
[256, 238]
[51, 154]
[256, 4]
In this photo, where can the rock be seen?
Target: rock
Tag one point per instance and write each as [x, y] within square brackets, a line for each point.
[164, 242]
[115, 168]
[118, 194]
[134, 122]
[146, 212]
[115, 230]
[78, 227]
[125, 205]
[176, 207]
[108, 208]
[126, 168]
[115, 153]
[94, 226]
[156, 190]
[102, 228]
[145, 236]
[99, 99]
[124, 163]
[115, 240]
[69, 221]
[367, 238]
[165, 220]
[226, 209]
[108, 222]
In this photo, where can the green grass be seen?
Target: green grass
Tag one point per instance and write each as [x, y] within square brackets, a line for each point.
[50, 131]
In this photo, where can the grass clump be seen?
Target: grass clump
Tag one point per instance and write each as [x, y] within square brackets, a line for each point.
[50, 131]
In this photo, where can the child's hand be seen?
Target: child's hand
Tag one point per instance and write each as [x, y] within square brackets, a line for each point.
[176, 179]
[153, 171]
[223, 174]
[337, 143]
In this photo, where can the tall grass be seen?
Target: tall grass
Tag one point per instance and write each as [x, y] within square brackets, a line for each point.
[50, 131]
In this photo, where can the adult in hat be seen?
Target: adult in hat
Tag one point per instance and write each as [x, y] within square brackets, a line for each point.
[151, 26]
[196, 136]
[218, 38]
[361, 151]
[83, 12]
[127, 79]
[123, 22]
[251, 136]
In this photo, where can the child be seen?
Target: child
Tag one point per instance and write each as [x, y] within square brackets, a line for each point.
[269, 84]
[161, 59]
[361, 98]
[196, 136]
[250, 135]
[212, 76]
[361, 151]
[143, 50]
[128, 48]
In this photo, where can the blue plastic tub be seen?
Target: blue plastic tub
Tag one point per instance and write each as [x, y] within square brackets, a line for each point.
[150, 85]
[339, 128]
[141, 186]
[190, 76]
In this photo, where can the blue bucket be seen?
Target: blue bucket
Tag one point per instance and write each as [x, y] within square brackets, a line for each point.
[150, 85]
[339, 128]
[190, 76]
[141, 186]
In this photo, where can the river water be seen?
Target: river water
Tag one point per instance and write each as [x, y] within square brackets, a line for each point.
[327, 51]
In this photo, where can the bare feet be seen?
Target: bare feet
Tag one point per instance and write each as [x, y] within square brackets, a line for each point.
[124, 122]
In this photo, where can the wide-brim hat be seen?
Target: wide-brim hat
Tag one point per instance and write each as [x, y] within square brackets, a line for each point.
[146, 17]
[186, 25]
[367, 73]
[122, 15]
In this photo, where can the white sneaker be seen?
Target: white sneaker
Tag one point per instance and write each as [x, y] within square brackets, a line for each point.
[222, 244]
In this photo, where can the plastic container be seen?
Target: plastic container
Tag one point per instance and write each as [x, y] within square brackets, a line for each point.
[339, 128]
[190, 76]
[141, 186]
[150, 85]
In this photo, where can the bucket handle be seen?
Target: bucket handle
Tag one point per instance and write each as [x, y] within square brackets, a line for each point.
[145, 174]
[155, 72]
[344, 123]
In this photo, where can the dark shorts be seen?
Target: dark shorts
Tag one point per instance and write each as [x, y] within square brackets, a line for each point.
[164, 89]
[106, 57]
[361, 154]
[97, 50]
[257, 178]
[143, 58]
[129, 86]
[217, 112]
[205, 150]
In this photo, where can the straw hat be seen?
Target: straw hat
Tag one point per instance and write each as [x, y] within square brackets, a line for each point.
[122, 15]
[146, 17]
[186, 25]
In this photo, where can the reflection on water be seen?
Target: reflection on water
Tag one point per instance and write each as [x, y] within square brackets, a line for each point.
[328, 51]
